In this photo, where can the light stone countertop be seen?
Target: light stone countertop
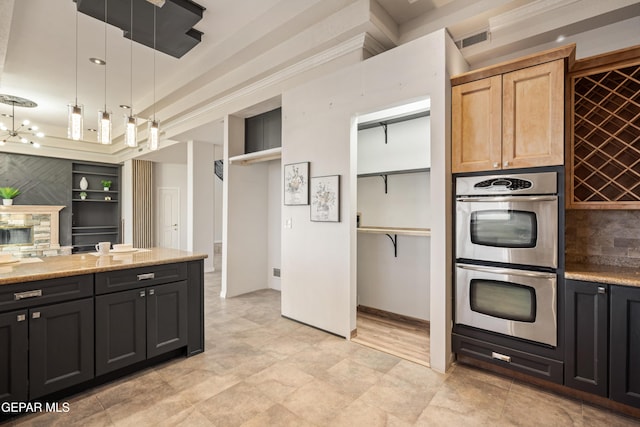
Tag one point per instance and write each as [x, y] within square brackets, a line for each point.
[86, 263]
[608, 274]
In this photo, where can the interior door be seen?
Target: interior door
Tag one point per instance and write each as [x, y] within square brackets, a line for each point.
[169, 217]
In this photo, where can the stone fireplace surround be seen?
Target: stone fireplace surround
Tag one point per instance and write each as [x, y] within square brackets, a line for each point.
[45, 221]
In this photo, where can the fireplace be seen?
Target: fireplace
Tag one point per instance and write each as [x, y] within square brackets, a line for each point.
[30, 230]
[16, 236]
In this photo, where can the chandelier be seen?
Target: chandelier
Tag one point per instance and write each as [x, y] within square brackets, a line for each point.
[24, 132]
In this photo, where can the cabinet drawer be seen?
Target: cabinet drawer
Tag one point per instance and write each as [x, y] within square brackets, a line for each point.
[29, 294]
[121, 280]
[527, 363]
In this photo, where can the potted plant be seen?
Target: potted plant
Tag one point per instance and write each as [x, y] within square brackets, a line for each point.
[8, 194]
[106, 184]
[83, 195]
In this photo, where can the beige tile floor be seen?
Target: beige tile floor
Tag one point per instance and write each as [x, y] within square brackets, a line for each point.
[260, 369]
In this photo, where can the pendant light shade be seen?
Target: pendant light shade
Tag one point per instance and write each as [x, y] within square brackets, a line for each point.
[154, 135]
[130, 131]
[75, 112]
[75, 123]
[104, 127]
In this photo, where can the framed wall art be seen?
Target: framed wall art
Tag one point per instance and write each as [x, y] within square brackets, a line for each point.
[325, 198]
[296, 184]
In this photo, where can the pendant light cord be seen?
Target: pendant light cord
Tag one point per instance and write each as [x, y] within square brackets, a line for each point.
[105, 54]
[76, 103]
[154, 63]
[131, 60]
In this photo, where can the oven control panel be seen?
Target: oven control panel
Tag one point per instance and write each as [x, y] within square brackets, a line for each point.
[491, 185]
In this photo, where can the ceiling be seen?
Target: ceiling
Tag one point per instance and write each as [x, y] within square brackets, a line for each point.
[243, 41]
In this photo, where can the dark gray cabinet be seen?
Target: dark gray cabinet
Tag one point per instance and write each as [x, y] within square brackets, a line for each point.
[138, 324]
[96, 218]
[263, 131]
[120, 330]
[587, 329]
[60, 346]
[14, 361]
[603, 340]
[46, 336]
[625, 345]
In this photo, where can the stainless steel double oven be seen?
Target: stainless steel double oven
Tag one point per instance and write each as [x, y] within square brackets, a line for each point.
[507, 255]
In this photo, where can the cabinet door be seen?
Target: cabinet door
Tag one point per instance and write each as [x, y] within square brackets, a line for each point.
[625, 345]
[272, 129]
[476, 120]
[13, 356]
[533, 116]
[60, 346]
[586, 323]
[120, 330]
[166, 318]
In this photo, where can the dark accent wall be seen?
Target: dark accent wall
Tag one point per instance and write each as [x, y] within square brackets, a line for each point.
[42, 181]
[609, 237]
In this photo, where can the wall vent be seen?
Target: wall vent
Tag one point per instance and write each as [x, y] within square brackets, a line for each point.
[473, 39]
[276, 272]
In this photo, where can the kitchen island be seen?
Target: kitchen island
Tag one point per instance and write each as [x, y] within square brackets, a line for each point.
[71, 322]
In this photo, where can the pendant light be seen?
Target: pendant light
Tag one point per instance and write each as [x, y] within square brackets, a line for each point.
[104, 116]
[153, 124]
[130, 121]
[75, 111]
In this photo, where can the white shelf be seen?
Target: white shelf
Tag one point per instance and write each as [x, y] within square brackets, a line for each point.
[396, 230]
[258, 156]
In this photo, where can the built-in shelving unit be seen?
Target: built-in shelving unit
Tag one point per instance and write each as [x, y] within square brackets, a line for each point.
[97, 217]
[605, 148]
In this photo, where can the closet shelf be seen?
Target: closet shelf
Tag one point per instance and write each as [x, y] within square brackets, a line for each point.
[396, 172]
[258, 156]
[396, 230]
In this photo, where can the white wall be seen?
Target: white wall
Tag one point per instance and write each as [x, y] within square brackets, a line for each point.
[217, 203]
[319, 259]
[274, 220]
[173, 175]
[200, 200]
[406, 204]
[405, 148]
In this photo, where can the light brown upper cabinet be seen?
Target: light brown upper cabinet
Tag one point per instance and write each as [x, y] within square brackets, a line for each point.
[510, 115]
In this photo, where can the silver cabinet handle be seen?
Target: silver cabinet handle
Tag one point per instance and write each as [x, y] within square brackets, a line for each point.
[510, 271]
[21, 317]
[152, 292]
[502, 357]
[142, 294]
[506, 164]
[27, 294]
[146, 276]
[495, 164]
[35, 315]
[602, 290]
[508, 199]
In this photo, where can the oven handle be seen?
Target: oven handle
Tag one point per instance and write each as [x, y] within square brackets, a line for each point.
[510, 271]
[509, 199]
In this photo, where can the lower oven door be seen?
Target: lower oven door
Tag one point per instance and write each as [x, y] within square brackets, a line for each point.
[512, 302]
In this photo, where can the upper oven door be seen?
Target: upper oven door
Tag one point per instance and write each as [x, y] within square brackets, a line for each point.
[508, 229]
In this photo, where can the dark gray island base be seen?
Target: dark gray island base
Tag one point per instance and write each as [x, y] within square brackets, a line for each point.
[72, 322]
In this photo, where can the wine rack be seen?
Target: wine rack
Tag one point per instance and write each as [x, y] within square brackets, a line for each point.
[605, 140]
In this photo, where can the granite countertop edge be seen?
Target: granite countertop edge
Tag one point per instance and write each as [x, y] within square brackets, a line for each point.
[607, 274]
[79, 264]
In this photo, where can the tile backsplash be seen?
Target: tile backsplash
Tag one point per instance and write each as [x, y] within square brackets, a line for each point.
[609, 237]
